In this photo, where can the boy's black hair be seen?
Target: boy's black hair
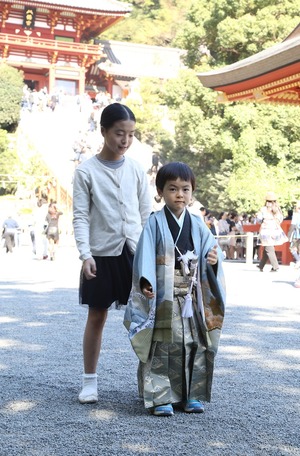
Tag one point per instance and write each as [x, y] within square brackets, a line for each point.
[115, 112]
[174, 171]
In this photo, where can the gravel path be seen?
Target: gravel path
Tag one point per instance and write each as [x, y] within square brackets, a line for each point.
[254, 409]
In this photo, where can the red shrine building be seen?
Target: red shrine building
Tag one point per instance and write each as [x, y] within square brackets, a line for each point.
[54, 42]
[271, 76]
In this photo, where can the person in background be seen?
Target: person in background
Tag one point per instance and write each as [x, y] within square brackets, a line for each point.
[232, 242]
[38, 230]
[176, 308]
[297, 283]
[10, 231]
[204, 213]
[211, 223]
[194, 207]
[111, 203]
[223, 231]
[52, 230]
[294, 235]
[270, 233]
[289, 215]
[157, 203]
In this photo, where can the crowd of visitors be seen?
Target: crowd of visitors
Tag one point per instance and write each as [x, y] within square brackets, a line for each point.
[40, 229]
[226, 226]
[88, 142]
[41, 100]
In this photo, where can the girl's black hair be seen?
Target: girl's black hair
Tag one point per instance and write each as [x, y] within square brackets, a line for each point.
[174, 171]
[115, 112]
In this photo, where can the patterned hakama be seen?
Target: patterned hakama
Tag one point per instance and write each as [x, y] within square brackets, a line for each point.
[176, 371]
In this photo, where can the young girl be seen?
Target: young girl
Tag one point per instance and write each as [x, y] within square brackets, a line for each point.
[176, 309]
[111, 204]
[270, 234]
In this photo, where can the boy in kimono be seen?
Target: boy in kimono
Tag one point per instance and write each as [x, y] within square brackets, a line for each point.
[176, 308]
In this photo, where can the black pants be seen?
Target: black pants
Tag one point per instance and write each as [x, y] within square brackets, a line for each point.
[9, 241]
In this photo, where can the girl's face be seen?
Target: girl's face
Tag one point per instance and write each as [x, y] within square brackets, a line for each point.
[177, 195]
[117, 139]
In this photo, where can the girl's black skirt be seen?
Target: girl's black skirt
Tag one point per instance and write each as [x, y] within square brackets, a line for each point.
[112, 283]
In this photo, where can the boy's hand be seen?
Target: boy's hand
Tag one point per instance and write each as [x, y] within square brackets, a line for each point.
[212, 257]
[147, 291]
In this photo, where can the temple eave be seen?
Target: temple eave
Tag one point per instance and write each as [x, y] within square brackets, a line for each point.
[88, 10]
[272, 75]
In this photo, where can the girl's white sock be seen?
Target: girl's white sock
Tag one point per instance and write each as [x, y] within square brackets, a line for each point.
[89, 392]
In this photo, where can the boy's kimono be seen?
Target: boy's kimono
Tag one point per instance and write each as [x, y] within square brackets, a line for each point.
[176, 354]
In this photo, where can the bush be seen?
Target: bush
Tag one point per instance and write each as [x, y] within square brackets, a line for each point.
[11, 85]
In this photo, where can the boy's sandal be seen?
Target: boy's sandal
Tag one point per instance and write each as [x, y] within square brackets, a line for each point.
[163, 410]
[193, 406]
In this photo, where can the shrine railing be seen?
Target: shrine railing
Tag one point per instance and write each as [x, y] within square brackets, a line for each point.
[50, 45]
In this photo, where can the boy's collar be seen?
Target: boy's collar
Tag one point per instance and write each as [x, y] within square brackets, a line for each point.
[181, 218]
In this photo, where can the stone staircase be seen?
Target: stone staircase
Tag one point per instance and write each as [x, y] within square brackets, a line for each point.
[51, 135]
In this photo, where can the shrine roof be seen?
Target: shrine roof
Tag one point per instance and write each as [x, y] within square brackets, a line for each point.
[277, 57]
[139, 60]
[88, 6]
[271, 76]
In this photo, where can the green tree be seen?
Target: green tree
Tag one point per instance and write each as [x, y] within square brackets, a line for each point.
[238, 151]
[150, 113]
[231, 31]
[153, 22]
[233, 148]
[9, 163]
[11, 84]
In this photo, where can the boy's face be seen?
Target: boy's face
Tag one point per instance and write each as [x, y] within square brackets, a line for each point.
[177, 195]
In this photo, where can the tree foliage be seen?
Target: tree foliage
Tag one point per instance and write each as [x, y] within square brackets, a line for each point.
[231, 31]
[150, 113]
[237, 151]
[21, 170]
[9, 164]
[153, 22]
[11, 84]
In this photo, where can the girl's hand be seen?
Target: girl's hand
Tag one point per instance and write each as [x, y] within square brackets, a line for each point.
[89, 268]
[275, 208]
[212, 257]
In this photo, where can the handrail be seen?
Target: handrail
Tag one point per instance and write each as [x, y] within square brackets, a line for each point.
[46, 44]
[234, 235]
[249, 243]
